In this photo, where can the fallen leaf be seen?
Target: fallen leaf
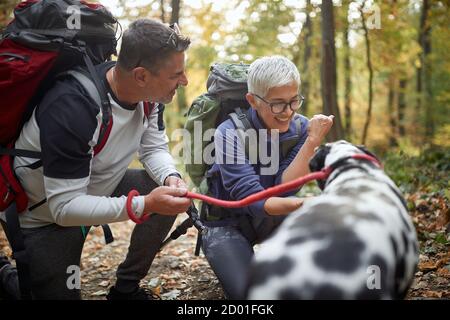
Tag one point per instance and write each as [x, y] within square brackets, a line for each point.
[156, 291]
[430, 265]
[153, 282]
[432, 294]
[99, 293]
[104, 283]
[171, 295]
[203, 279]
[444, 272]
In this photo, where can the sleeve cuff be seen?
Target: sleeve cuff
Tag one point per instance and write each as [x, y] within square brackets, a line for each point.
[138, 205]
[257, 209]
[174, 174]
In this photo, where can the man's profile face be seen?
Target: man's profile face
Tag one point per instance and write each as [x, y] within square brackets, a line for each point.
[163, 85]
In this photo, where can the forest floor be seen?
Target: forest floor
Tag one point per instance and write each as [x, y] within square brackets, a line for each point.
[177, 273]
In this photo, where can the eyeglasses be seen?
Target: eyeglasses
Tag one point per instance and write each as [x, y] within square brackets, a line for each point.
[171, 42]
[279, 107]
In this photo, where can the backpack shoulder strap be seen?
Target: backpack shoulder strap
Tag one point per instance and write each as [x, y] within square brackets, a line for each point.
[241, 122]
[287, 145]
[298, 125]
[93, 92]
[87, 84]
[240, 119]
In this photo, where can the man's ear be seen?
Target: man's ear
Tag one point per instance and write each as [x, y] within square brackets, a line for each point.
[366, 151]
[251, 100]
[141, 76]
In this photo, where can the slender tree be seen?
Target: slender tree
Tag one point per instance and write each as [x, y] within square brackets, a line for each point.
[181, 92]
[401, 106]
[175, 17]
[328, 70]
[424, 43]
[163, 11]
[391, 112]
[369, 67]
[306, 57]
[347, 78]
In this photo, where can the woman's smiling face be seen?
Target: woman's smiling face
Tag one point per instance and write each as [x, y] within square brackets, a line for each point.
[284, 94]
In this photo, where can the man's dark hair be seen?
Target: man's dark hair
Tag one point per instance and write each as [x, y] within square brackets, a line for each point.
[148, 43]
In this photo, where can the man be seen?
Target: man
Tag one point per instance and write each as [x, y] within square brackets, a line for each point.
[76, 187]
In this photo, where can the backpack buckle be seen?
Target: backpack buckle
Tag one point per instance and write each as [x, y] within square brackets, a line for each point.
[241, 116]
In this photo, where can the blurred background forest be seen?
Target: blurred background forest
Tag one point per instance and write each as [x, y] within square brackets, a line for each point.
[381, 67]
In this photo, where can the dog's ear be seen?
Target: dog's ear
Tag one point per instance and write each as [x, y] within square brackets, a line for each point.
[317, 162]
[366, 151]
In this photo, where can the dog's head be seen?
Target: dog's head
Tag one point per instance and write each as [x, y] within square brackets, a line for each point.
[332, 152]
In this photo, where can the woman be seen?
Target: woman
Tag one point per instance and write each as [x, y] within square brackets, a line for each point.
[273, 84]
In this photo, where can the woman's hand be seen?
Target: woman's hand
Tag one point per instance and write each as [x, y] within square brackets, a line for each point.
[275, 206]
[318, 127]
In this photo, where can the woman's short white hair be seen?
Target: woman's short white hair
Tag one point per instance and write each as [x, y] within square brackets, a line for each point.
[270, 72]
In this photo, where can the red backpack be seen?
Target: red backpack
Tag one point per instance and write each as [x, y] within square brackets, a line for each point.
[45, 40]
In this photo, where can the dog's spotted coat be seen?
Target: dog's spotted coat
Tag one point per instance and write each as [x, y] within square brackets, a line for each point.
[355, 241]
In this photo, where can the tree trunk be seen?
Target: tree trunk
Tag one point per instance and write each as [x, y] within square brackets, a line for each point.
[306, 58]
[391, 112]
[175, 17]
[181, 92]
[429, 112]
[163, 11]
[347, 80]
[369, 67]
[423, 38]
[426, 47]
[328, 71]
[402, 106]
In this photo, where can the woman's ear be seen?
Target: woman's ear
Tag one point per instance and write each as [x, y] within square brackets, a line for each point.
[251, 100]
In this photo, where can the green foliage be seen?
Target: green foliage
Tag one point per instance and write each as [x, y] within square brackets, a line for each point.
[6, 7]
[442, 239]
[235, 31]
[259, 31]
[429, 171]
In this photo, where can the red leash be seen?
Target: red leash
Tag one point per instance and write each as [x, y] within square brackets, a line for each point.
[269, 192]
[131, 213]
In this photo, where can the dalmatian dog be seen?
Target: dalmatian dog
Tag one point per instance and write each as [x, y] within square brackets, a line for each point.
[354, 241]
